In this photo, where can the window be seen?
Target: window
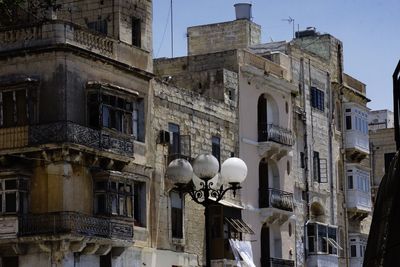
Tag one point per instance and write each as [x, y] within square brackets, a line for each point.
[353, 251]
[350, 181]
[348, 122]
[216, 148]
[317, 99]
[388, 158]
[114, 197]
[302, 160]
[10, 262]
[125, 115]
[105, 260]
[15, 109]
[322, 238]
[99, 26]
[175, 141]
[176, 214]
[316, 167]
[136, 32]
[139, 203]
[359, 118]
[13, 195]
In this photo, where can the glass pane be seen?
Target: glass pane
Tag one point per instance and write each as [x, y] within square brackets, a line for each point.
[23, 185]
[101, 204]
[332, 233]
[106, 117]
[129, 207]
[113, 186]
[176, 200]
[11, 202]
[121, 206]
[311, 245]
[350, 181]
[23, 203]
[353, 251]
[11, 184]
[22, 117]
[114, 204]
[101, 185]
[311, 229]
[8, 109]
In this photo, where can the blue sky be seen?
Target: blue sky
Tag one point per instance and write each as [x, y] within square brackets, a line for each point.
[367, 29]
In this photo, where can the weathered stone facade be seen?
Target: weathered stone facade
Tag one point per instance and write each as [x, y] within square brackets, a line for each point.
[73, 153]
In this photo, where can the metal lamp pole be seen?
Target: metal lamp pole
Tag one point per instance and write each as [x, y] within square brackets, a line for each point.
[206, 167]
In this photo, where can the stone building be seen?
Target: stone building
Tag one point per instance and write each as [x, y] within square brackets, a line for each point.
[382, 146]
[303, 132]
[75, 132]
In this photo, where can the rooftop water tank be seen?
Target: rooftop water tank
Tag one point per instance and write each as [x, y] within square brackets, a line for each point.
[243, 11]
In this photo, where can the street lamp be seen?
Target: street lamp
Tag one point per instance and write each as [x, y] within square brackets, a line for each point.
[201, 182]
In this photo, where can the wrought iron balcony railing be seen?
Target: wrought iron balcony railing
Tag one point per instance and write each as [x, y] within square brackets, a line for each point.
[275, 262]
[269, 132]
[66, 132]
[74, 223]
[274, 198]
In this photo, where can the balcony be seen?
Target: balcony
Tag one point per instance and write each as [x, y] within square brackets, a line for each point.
[358, 204]
[59, 223]
[274, 140]
[276, 205]
[325, 260]
[356, 145]
[68, 35]
[275, 262]
[66, 132]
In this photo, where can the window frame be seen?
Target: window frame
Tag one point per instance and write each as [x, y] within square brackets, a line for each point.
[316, 167]
[136, 32]
[216, 147]
[128, 111]
[317, 99]
[321, 243]
[113, 192]
[177, 228]
[21, 192]
[140, 203]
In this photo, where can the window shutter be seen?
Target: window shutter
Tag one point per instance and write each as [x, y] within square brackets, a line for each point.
[141, 118]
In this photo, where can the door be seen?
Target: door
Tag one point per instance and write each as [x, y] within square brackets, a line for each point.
[263, 194]
[265, 247]
[262, 119]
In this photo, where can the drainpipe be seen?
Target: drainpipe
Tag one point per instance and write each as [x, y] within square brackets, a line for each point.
[343, 159]
[330, 153]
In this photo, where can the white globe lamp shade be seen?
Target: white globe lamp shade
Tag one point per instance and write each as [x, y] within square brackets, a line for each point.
[179, 171]
[205, 166]
[233, 170]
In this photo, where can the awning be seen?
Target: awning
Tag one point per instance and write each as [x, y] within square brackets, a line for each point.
[239, 225]
[227, 203]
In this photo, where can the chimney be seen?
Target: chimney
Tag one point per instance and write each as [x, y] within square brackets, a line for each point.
[243, 11]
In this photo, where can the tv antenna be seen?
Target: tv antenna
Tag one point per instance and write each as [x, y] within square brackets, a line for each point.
[290, 20]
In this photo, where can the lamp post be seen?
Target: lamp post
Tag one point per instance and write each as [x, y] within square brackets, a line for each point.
[201, 181]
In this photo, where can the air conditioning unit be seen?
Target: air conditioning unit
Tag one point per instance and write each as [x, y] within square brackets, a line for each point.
[164, 137]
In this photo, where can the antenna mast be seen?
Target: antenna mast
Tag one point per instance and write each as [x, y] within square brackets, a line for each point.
[172, 32]
[290, 20]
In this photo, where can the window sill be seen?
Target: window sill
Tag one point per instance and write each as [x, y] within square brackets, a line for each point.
[178, 241]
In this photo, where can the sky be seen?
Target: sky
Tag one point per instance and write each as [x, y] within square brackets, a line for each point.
[367, 28]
